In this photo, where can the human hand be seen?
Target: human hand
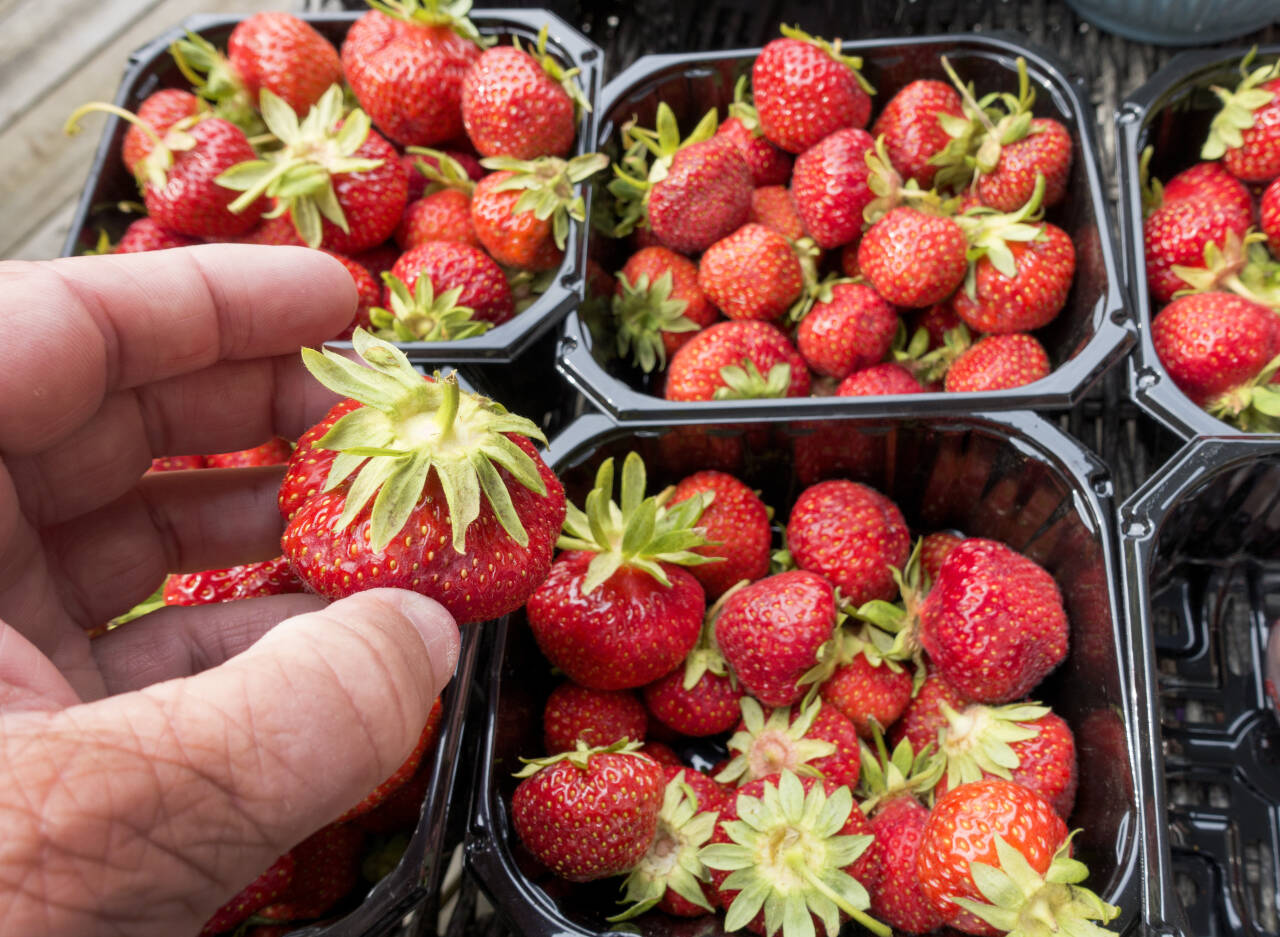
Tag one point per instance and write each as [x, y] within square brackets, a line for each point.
[149, 774]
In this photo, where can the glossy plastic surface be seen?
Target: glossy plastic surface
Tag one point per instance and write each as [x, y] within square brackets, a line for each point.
[1178, 22]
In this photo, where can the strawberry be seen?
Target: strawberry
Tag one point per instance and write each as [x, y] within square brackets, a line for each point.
[441, 216]
[698, 698]
[521, 212]
[402, 808]
[326, 867]
[981, 839]
[451, 265]
[851, 534]
[696, 192]
[769, 165]
[616, 610]
[913, 258]
[159, 111]
[736, 525]
[663, 754]
[338, 179]
[912, 129]
[595, 717]
[423, 315]
[144, 234]
[993, 623]
[998, 362]
[868, 693]
[590, 813]
[1219, 348]
[771, 630]
[270, 577]
[1201, 181]
[926, 714]
[879, 379]
[934, 548]
[739, 359]
[815, 739]
[423, 165]
[406, 61]
[1269, 213]
[806, 90]
[309, 465]
[176, 463]
[261, 891]
[795, 850]
[285, 55]
[432, 527]
[272, 231]
[408, 768]
[658, 305]
[773, 207]
[378, 260]
[367, 289]
[831, 186]
[751, 274]
[1245, 134]
[275, 451]
[670, 876]
[521, 104]
[1045, 151]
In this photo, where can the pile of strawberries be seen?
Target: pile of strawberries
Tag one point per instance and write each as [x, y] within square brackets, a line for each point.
[879, 756]
[929, 228]
[1214, 274]
[430, 161]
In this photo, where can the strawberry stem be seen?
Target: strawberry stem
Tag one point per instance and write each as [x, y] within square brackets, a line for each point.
[801, 868]
[72, 126]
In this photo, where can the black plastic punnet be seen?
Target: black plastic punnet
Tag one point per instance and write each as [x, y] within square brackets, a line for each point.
[1170, 113]
[1012, 477]
[1090, 334]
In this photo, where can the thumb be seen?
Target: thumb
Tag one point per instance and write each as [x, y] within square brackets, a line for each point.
[226, 770]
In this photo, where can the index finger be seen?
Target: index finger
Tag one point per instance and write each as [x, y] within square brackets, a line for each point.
[84, 327]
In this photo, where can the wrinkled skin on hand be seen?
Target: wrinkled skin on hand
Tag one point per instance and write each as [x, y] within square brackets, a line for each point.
[149, 774]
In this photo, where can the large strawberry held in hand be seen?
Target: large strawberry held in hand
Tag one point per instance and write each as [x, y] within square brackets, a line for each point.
[427, 488]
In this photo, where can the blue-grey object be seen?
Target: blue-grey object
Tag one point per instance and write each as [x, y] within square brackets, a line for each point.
[1179, 22]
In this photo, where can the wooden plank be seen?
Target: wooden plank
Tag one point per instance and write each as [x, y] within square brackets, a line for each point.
[40, 167]
[45, 241]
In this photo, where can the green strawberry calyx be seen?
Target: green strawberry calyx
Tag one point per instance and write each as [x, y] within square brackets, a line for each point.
[447, 173]
[410, 426]
[931, 366]
[154, 168]
[1238, 107]
[743, 109]
[1242, 266]
[216, 80]
[1152, 188]
[989, 124]
[745, 382]
[566, 78]
[646, 160]
[548, 187]
[1022, 903]
[847, 643]
[706, 656]
[767, 746]
[643, 311]
[1253, 406]
[422, 316]
[635, 531]
[978, 740]
[989, 233]
[890, 191]
[788, 859]
[450, 13]
[886, 776]
[581, 756]
[891, 632]
[832, 48]
[300, 175]
[671, 862]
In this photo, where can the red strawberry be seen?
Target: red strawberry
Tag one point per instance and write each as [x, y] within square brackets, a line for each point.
[450, 265]
[270, 577]
[441, 216]
[273, 232]
[698, 698]
[1015, 832]
[848, 329]
[912, 130]
[803, 841]
[326, 867]
[378, 260]
[275, 451]
[937, 320]
[1245, 134]
[367, 289]
[851, 534]
[407, 70]
[736, 525]
[658, 305]
[886, 378]
[145, 235]
[705, 196]
[615, 612]
[751, 274]
[309, 464]
[998, 362]
[831, 186]
[340, 181]
[595, 717]
[1045, 151]
[1218, 347]
[159, 111]
[993, 623]
[479, 550]
[773, 207]
[769, 165]
[401, 810]
[1204, 181]
[285, 55]
[770, 632]
[1269, 212]
[816, 738]
[590, 813]
[806, 90]
[176, 463]
[868, 693]
[519, 104]
[934, 548]
[925, 714]
[408, 768]
[663, 754]
[261, 891]
[913, 258]
[1028, 292]
[698, 369]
